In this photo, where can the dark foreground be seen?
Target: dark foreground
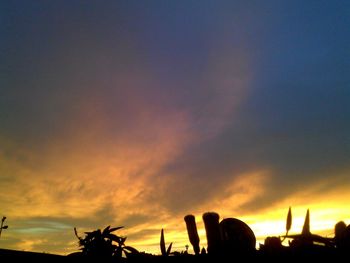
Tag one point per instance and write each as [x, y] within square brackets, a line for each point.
[282, 255]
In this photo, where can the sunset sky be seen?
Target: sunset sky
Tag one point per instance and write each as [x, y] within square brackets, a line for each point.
[137, 113]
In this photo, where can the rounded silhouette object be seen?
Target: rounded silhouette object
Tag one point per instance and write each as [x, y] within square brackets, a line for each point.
[339, 229]
[237, 236]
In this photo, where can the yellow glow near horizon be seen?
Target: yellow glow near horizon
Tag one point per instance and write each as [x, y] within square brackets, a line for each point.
[324, 214]
[57, 195]
[270, 223]
[325, 211]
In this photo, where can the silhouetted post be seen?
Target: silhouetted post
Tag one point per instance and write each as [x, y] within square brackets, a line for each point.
[212, 228]
[192, 232]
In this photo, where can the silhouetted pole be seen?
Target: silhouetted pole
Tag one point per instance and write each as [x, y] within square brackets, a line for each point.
[192, 232]
[212, 228]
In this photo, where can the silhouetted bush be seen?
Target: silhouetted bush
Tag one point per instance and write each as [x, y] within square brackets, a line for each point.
[104, 244]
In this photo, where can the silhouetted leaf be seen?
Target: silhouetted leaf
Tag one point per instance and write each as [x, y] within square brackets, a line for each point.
[5, 227]
[118, 252]
[162, 243]
[115, 228]
[289, 220]
[169, 249]
[122, 240]
[131, 250]
[306, 226]
[114, 237]
[76, 234]
[106, 230]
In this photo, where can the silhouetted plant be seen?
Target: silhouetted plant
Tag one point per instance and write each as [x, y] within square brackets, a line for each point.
[306, 238]
[272, 244]
[342, 236]
[212, 229]
[2, 225]
[192, 232]
[289, 220]
[165, 252]
[186, 249]
[100, 244]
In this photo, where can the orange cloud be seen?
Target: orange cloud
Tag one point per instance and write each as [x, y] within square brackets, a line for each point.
[108, 163]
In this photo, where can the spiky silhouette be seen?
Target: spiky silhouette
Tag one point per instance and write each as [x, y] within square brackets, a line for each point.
[100, 243]
[164, 251]
[306, 237]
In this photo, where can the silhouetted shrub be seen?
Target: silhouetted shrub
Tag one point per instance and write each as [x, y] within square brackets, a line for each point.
[104, 244]
[272, 244]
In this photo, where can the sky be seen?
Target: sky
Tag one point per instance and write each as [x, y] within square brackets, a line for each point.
[137, 113]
